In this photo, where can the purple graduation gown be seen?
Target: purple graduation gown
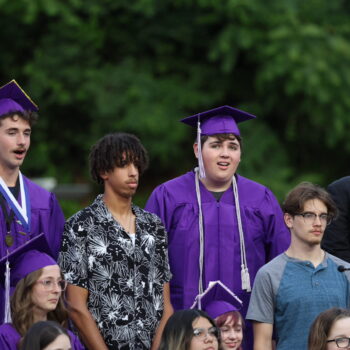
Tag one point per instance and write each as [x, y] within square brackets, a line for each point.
[265, 232]
[9, 338]
[46, 216]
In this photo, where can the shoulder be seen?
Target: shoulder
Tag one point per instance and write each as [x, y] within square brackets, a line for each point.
[338, 261]
[178, 186]
[90, 211]
[341, 183]
[145, 215]
[8, 331]
[276, 265]
[39, 196]
[254, 192]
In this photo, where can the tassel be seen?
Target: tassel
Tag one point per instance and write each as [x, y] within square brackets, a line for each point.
[200, 157]
[7, 318]
[245, 279]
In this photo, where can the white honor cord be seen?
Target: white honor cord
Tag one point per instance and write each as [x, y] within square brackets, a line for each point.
[7, 317]
[201, 233]
[245, 277]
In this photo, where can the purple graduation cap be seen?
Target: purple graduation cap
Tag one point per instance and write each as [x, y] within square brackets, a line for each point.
[220, 120]
[31, 256]
[216, 300]
[14, 99]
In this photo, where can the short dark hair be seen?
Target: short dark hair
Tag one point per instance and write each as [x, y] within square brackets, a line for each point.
[178, 331]
[30, 117]
[116, 150]
[305, 191]
[322, 325]
[41, 334]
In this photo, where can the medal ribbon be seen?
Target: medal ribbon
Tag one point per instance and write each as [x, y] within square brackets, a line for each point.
[22, 212]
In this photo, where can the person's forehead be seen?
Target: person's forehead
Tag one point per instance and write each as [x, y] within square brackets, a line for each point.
[229, 138]
[314, 205]
[201, 322]
[14, 122]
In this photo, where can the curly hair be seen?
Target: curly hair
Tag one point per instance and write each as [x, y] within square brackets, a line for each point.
[30, 117]
[116, 150]
[22, 305]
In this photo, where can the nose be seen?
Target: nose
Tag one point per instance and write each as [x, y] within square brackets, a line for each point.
[224, 151]
[317, 221]
[133, 170]
[56, 288]
[21, 140]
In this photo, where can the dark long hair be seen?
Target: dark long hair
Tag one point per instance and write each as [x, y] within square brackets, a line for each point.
[41, 334]
[178, 331]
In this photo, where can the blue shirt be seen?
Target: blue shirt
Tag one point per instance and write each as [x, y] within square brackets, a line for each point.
[290, 293]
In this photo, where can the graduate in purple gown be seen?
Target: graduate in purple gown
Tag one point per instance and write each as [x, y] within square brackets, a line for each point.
[38, 293]
[26, 209]
[221, 226]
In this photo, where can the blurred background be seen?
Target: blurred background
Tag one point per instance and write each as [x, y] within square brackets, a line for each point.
[139, 66]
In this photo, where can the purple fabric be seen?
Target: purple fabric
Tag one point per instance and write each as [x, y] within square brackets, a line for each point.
[28, 263]
[9, 338]
[7, 105]
[14, 99]
[220, 120]
[266, 234]
[219, 307]
[217, 300]
[46, 217]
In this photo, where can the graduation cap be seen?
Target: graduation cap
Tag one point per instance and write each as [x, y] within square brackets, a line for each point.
[31, 256]
[14, 99]
[220, 120]
[216, 300]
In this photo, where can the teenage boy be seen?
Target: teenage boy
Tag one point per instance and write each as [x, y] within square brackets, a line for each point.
[114, 255]
[26, 209]
[221, 226]
[292, 289]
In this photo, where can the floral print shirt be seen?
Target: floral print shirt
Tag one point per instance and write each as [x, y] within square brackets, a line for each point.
[125, 281]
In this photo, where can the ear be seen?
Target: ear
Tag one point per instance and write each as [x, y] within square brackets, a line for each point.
[288, 219]
[104, 175]
[195, 149]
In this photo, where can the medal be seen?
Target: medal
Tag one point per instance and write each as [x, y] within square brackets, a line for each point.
[9, 240]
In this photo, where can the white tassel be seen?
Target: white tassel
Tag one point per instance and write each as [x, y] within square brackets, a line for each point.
[245, 279]
[200, 157]
[7, 318]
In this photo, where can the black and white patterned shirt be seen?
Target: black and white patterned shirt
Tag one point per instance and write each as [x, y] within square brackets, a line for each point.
[125, 282]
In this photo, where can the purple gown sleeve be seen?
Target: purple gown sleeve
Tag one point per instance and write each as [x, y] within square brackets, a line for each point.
[56, 225]
[8, 338]
[278, 234]
[76, 343]
[160, 204]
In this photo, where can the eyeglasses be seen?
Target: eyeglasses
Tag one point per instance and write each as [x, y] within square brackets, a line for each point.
[309, 218]
[201, 333]
[50, 284]
[342, 342]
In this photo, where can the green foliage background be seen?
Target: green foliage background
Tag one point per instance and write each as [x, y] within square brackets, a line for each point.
[140, 66]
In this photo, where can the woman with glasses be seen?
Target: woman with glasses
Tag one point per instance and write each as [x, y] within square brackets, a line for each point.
[37, 292]
[330, 330]
[223, 306]
[190, 330]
